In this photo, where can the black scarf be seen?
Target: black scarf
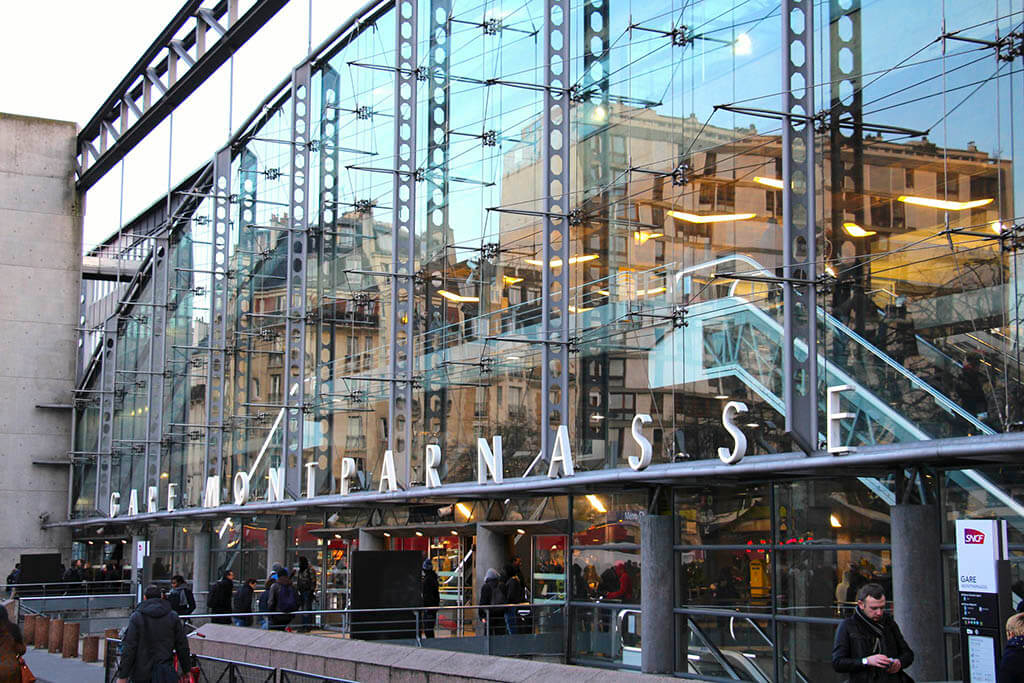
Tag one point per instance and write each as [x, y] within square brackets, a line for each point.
[876, 629]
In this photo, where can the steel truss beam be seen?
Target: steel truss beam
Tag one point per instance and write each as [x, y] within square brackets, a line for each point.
[295, 283]
[403, 234]
[244, 260]
[799, 250]
[217, 335]
[167, 73]
[555, 238]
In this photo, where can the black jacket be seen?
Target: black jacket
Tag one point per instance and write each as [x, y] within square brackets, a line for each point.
[219, 601]
[1011, 667]
[857, 637]
[243, 602]
[154, 633]
[181, 599]
[431, 589]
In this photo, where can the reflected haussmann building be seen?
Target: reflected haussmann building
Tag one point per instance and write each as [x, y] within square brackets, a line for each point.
[501, 233]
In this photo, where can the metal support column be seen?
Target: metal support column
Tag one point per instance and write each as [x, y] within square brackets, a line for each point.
[555, 252]
[295, 284]
[105, 441]
[846, 161]
[217, 335]
[326, 274]
[435, 394]
[403, 233]
[799, 251]
[244, 335]
[157, 360]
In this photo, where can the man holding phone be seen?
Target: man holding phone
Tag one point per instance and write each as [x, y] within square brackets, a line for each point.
[868, 644]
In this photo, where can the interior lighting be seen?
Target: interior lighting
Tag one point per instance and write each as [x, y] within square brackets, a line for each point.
[337, 535]
[596, 503]
[106, 542]
[604, 292]
[600, 113]
[164, 475]
[458, 298]
[464, 509]
[752, 425]
[854, 230]
[521, 532]
[514, 357]
[722, 397]
[834, 521]
[581, 309]
[743, 45]
[556, 262]
[184, 530]
[711, 218]
[90, 543]
[830, 270]
[419, 533]
[454, 532]
[125, 540]
[641, 236]
[769, 182]
[509, 280]
[944, 204]
[387, 534]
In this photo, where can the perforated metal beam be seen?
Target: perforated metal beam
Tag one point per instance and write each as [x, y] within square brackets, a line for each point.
[217, 334]
[105, 438]
[403, 257]
[162, 79]
[295, 282]
[555, 234]
[159, 265]
[327, 273]
[799, 252]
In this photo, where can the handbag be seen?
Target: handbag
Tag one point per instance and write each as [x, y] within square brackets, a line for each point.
[26, 673]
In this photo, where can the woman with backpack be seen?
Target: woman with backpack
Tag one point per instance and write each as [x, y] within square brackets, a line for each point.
[284, 598]
[492, 593]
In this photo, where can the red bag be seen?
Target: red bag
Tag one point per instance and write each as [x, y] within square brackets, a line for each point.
[26, 673]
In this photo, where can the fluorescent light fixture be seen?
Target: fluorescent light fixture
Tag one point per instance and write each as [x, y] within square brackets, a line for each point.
[509, 280]
[650, 292]
[943, 204]
[465, 510]
[641, 236]
[458, 298]
[854, 230]
[834, 521]
[711, 218]
[752, 425]
[556, 262]
[514, 357]
[769, 182]
[743, 45]
[596, 503]
[581, 309]
[722, 397]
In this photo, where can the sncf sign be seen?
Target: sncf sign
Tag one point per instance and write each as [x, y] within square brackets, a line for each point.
[973, 536]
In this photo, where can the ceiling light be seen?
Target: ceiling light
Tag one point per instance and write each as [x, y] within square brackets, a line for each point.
[743, 45]
[164, 475]
[419, 533]
[769, 182]
[834, 521]
[649, 292]
[641, 236]
[458, 298]
[556, 262]
[184, 530]
[752, 425]
[521, 532]
[944, 204]
[337, 535]
[464, 509]
[388, 535]
[509, 280]
[123, 540]
[854, 230]
[711, 218]
[596, 503]
[513, 357]
[454, 532]
[722, 397]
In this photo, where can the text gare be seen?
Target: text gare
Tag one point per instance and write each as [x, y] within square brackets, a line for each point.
[490, 463]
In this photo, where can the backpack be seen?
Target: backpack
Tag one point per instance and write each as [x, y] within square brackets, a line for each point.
[514, 590]
[498, 595]
[287, 601]
[181, 600]
[306, 581]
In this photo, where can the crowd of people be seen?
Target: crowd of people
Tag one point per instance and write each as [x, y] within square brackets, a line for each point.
[284, 592]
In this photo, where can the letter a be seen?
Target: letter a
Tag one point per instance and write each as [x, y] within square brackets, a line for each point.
[387, 473]
[561, 453]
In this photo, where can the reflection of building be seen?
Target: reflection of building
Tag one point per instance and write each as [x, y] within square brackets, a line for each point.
[676, 308]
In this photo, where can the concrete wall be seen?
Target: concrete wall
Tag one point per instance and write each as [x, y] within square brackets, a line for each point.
[40, 266]
[377, 662]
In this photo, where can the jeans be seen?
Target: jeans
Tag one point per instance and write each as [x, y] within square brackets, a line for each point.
[265, 623]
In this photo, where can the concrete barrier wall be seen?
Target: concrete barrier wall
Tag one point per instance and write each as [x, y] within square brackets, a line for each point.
[373, 662]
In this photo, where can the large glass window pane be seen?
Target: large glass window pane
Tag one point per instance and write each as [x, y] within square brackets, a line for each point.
[724, 515]
[840, 510]
[736, 648]
[609, 575]
[607, 519]
[735, 579]
[824, 583]
[805, 651]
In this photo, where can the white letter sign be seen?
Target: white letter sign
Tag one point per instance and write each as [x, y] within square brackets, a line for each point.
[833, 437]
[431, 461]
[739, 449]
[275, 484]
[348, 473]
[211, 496]
[646, 451]
[486, 460]
[387, 473]
[115, 504]
[240, 487]
[561, 454]
[133, 503]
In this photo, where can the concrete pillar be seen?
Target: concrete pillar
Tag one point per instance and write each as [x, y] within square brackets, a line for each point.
[201, 568]
[491, 553]
[277, 543]
[657, 597]
[916, 579]
[368, 541]
[69, 646]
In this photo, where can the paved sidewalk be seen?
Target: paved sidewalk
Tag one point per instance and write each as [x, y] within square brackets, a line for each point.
[55, 669]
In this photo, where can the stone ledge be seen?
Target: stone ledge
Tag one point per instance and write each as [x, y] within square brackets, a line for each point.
[370, 661]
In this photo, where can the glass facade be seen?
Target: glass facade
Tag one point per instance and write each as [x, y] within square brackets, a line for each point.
[520, 217]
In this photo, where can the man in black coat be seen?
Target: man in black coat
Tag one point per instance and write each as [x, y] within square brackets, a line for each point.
[868, 645]
[243, 603]
[431, 596]
[153, 636]
[219, 601]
